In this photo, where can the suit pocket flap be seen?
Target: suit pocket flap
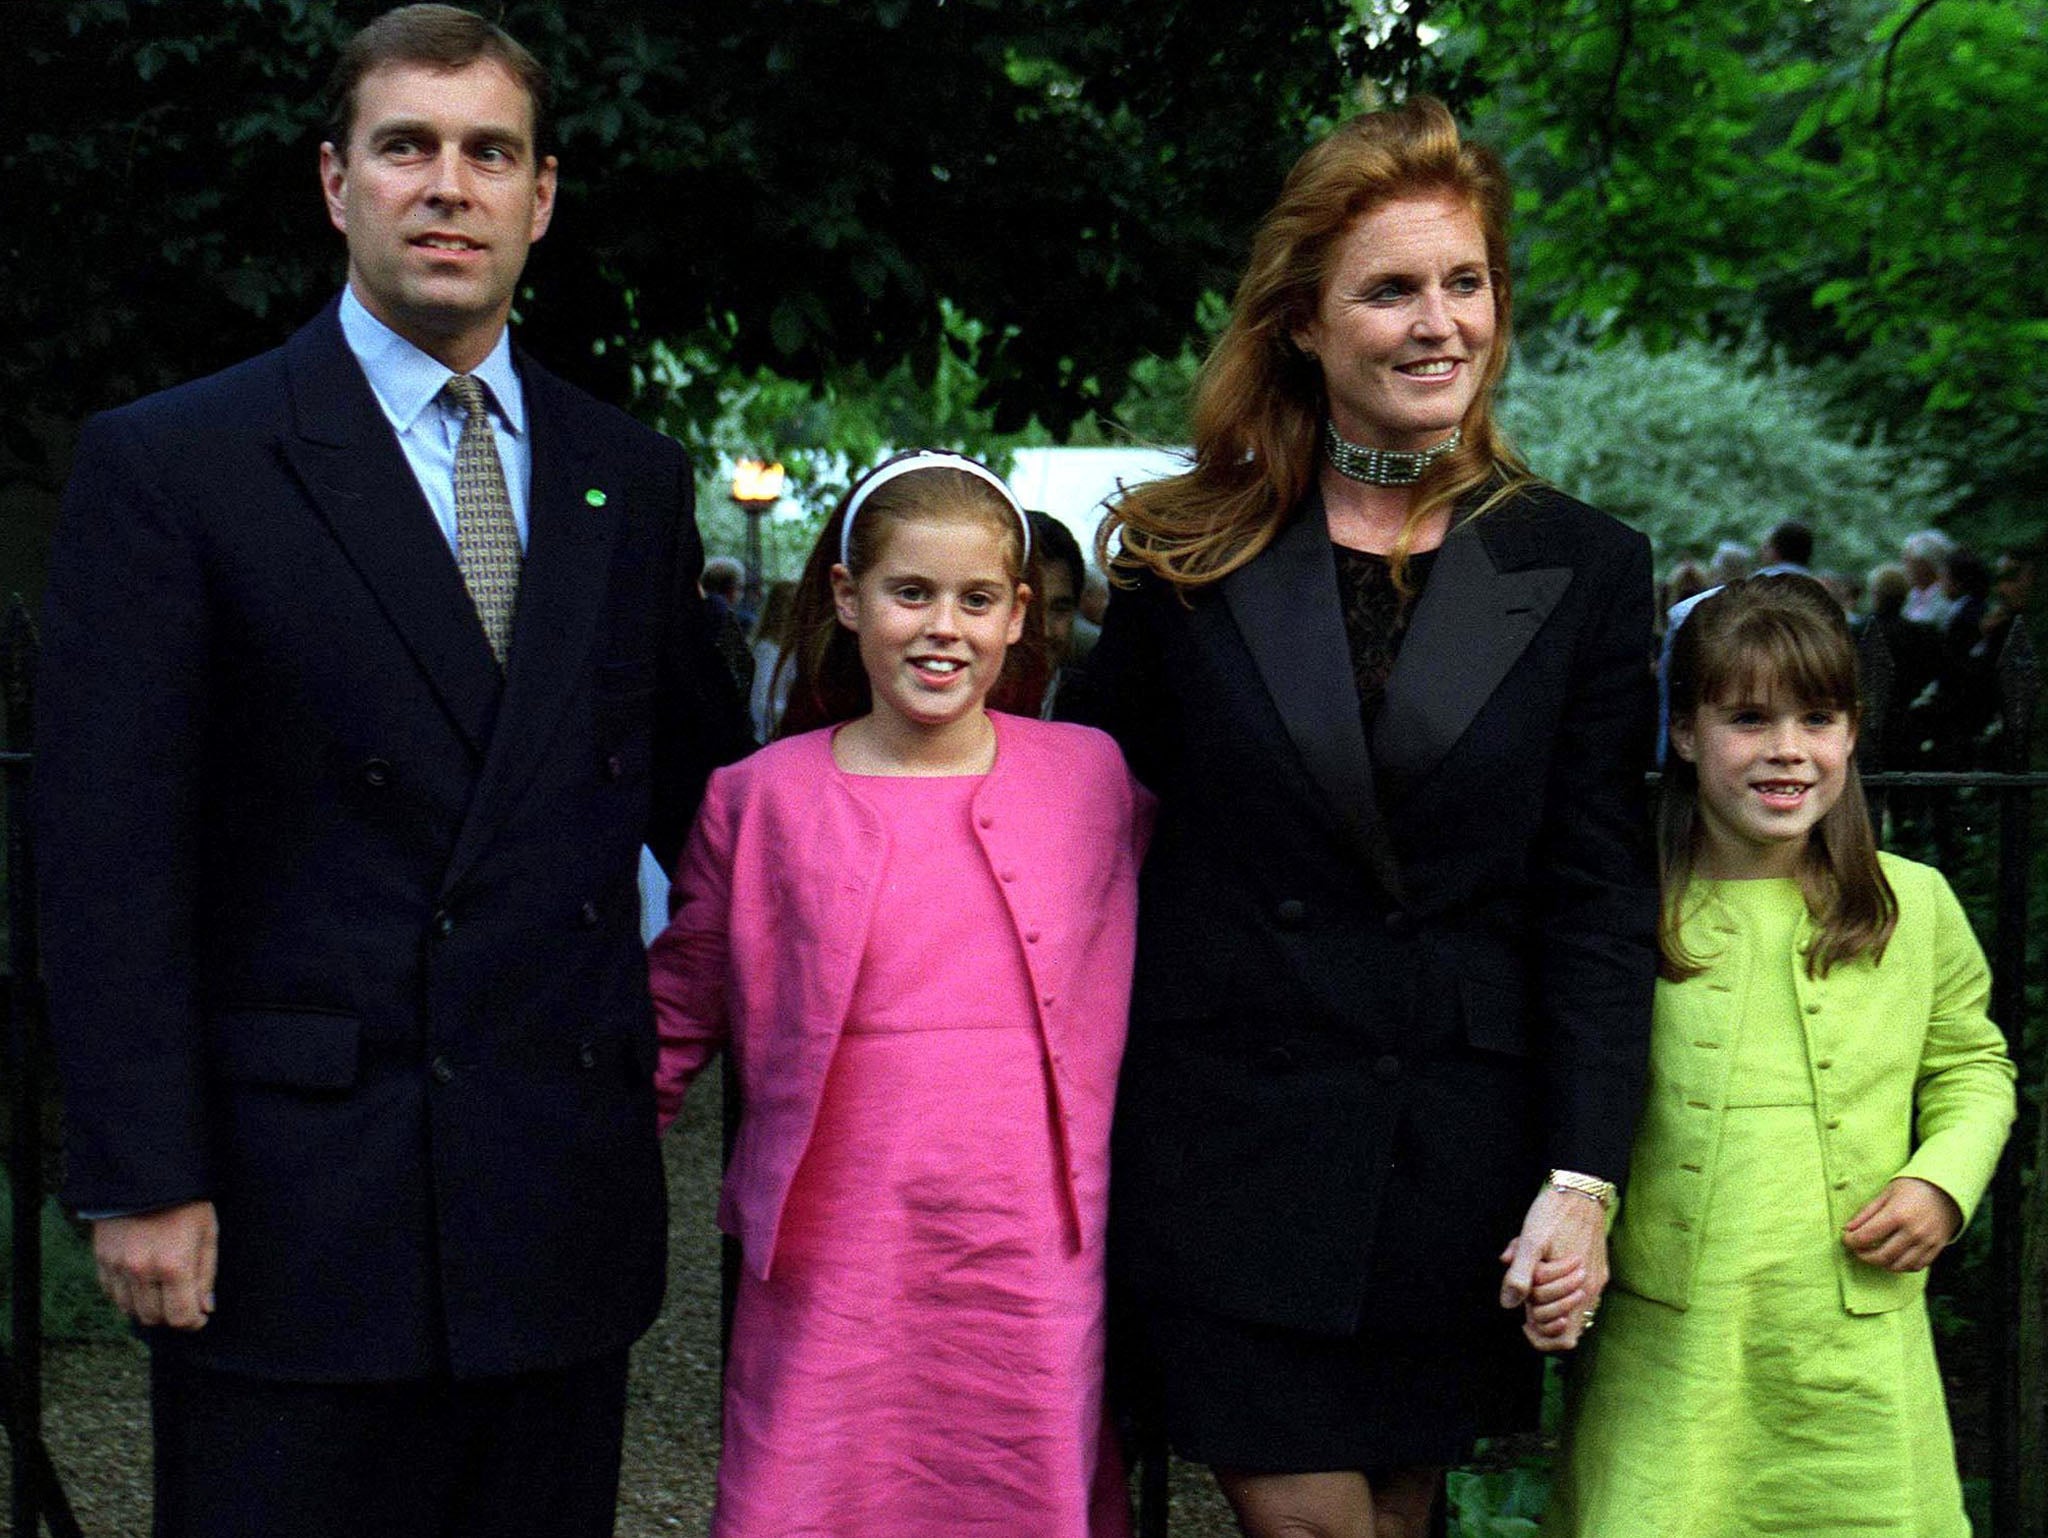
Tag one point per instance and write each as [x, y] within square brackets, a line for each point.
[293, 1048]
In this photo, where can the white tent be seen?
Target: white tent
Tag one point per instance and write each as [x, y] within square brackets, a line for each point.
[1075, 485]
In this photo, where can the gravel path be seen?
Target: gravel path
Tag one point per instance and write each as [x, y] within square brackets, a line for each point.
[96, 1417]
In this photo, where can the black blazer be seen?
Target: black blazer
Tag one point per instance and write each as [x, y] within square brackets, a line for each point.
[341, 931]
[1452, 931]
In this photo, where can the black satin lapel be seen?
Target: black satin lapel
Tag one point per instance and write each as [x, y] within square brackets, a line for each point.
[561, 595]
[358, 479]
[1284, 605]
[1471, 623]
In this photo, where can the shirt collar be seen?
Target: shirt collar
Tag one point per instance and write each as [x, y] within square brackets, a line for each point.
[406, 380]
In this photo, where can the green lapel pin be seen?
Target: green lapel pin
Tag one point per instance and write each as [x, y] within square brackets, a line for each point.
[594, 497]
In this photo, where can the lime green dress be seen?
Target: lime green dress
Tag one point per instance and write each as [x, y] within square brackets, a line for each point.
[1763, 1405]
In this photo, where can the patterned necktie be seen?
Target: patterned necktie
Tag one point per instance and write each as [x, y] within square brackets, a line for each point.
[486, 537]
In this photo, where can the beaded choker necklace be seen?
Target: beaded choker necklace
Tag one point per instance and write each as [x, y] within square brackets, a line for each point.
[1382, 467]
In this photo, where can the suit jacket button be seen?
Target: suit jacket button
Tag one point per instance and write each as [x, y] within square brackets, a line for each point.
[442, 1070]
[444, 923]
[614, 767]
[587, 915]
[376, 773]
[1290, 911]
[1387, 1067]
[1399, 923]
[586, 1055]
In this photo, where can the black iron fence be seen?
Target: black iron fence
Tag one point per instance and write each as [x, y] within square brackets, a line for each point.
[1942, 803]
[37, 1494]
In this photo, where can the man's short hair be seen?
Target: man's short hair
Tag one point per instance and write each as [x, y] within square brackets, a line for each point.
[723, 575]
[1793, 543]
[1731, 562]
[1057, 545]
[1888, 588]
[439, 37]
[1969, 571]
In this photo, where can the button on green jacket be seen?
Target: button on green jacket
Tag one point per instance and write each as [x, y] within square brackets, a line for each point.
[1910, 1077]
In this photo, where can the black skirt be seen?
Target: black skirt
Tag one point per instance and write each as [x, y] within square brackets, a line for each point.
[1263, 1399]
[1434, 1364]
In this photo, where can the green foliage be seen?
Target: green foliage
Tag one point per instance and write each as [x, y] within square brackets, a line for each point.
[73, 1308]
[1497, 1502]
[1977, 1504]
[1858, 180]
[1941, 162]
[825, 433]
[796, 185]
[1711, 441]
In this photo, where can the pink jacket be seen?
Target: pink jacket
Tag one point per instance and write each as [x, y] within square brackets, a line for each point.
[773, 899]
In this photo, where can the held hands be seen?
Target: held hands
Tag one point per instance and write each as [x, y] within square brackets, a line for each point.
[1904, 1226]
[158, 1267]
[1557, 1268]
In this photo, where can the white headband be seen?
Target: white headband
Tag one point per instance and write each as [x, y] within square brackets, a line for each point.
[925, 459]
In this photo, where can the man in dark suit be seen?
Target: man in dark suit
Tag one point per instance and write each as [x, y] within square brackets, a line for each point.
[370, 664]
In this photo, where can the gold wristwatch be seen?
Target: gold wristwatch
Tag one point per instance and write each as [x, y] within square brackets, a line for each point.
[1601, 1191]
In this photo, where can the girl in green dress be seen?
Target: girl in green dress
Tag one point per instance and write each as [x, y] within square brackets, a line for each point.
[1827, 1101]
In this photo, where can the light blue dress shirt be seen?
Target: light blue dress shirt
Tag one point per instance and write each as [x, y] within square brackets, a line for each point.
[408, 383]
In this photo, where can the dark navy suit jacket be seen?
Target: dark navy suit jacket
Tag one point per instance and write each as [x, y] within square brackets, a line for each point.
[340, 923]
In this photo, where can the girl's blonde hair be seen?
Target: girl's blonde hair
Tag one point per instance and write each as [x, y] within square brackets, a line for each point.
[1259, 402]
[830, 685]
[1759, 639]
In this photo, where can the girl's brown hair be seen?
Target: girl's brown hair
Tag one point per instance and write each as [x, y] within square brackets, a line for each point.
[830, 685]
[1259, 402]
[1759, 639]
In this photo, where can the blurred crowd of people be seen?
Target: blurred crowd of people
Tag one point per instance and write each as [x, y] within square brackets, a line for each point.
[1942, 609]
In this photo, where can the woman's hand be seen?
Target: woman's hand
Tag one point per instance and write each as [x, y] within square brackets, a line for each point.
[1557, 1268]
[1904, 1226]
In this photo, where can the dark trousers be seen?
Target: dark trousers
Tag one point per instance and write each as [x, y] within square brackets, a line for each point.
[530, 1456]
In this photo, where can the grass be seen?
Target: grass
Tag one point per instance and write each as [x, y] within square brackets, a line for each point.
[73, 1309]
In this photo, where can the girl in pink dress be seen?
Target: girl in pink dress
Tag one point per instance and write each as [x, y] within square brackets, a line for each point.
[912, 927]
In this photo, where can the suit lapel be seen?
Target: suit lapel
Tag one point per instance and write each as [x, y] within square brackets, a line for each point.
[561, 592]
[349, 461]
[1284, 604]
[1470, 624]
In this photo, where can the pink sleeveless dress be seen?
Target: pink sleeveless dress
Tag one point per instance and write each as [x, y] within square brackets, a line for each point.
[925, 1360]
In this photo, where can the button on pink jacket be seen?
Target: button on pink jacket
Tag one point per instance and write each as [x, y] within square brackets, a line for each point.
[776, 892]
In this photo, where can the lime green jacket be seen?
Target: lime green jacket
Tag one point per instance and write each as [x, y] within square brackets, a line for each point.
[1910, 1077]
